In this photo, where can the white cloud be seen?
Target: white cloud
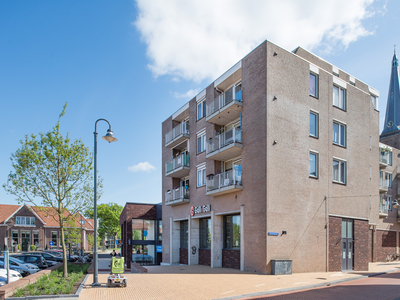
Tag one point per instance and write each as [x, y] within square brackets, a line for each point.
[142, 167]
[188, 95]
[200, 39]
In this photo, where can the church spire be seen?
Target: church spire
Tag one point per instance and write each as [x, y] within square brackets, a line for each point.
[392, 117]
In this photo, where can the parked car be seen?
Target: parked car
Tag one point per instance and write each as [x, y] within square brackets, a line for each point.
[14, 275]
[22, 270]
[35, 259]
[59, 253]
[48, 256]
[15, 261]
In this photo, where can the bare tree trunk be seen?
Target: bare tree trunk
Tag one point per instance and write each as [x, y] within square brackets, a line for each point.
[64, 248]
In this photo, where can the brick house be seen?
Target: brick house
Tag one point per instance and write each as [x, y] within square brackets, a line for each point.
[27, 225]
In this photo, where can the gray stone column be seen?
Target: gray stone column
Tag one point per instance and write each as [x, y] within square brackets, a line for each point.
[216, 240]
[193, 241]
[174, 241]
[242, 249]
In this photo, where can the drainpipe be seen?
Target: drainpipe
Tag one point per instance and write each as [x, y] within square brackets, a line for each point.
[327, 234]
[374, 243]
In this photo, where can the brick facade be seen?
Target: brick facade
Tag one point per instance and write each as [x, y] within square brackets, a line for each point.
[183, 256]
[231, 259]
[335, 244]
[205, 257]
[362, 245]
[385, 244]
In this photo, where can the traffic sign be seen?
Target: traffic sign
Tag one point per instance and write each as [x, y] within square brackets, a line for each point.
[51, 243]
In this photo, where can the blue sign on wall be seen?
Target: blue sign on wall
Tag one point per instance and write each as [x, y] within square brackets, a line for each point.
[273, 233]
[159, 248]
[51, 243]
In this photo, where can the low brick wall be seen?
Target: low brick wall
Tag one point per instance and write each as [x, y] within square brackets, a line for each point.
[385, 244]
[231, 259]
[183, 256]
[9, 289]
[205, 257]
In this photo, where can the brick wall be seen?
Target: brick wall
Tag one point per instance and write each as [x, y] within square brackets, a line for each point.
[183, 256]
[362, 253]
[231, 259]
[335, 244]
[205, 257]
[385, 244]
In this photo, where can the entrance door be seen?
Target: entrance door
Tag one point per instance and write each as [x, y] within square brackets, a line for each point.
[347, 245]
[25, 240]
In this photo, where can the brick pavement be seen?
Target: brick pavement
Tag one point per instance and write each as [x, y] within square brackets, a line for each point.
[203, 282]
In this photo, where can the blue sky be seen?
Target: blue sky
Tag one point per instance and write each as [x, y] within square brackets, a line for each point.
[135, 63]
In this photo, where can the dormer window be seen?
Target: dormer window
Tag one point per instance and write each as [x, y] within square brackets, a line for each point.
[25, 221]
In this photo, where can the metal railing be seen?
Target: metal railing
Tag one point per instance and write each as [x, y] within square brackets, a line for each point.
[176, 131]
[383, 157]
[231, 177]
[383, 183]
[222, 100]
[230, 136]
[383, 206]
[177, 194]
[177, 162]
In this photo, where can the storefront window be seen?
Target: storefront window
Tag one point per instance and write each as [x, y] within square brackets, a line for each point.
[232, 232]
[148, 230]
[143, 230]
[143, 254]
[184, 234]
[205, 233]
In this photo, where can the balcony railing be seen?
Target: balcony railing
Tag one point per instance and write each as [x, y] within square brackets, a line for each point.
[177, 165]
[177, 196]
[383, 159]
[225, 108]
[225, 145]
[222, 100]
[383, 208]
[383, 185]
[177, 135]
[227, 182]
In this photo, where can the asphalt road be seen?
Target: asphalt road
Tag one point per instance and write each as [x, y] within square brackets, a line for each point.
[382, 287]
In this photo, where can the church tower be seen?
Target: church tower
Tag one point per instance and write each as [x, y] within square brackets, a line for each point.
[390, 134]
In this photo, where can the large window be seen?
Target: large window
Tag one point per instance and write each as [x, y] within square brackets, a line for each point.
[25, 220]
[143, 230]
[339, 134]
[313, 165]
[313, 85]
[339, 97]
[339, 171]
[15, 237]
[313, 124]
[201, 176]
[232, 232]
[205, 233]
[184, 234]
[36, 238]
[54, 237]
[201, 142]
[201, 109]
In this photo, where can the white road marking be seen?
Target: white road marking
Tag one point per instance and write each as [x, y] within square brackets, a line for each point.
[227, 292]
[301, 282]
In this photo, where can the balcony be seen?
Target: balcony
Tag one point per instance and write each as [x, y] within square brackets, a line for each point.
[225, 108]
[224, 183]
[177, 196]
[226, 145]
[177, 167]
[383, 185]
[383, 209]
[383, 160]
[177, 136]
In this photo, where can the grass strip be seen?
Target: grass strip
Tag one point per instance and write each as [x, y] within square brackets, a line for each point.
[54, 283]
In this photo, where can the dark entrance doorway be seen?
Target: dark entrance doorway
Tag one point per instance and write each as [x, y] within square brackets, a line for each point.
[25, 240]
[347, 245]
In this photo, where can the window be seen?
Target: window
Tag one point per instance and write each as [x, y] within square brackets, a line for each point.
[36, 238]
[232, 232]
[15, 237]
[54, 238]
[143, 229]
[313, 124]
[313, 165]
[389, 202]
[313, 85]
[159, 237]
[205, 233]
[374, 101]
[201, 109]
[339, 171]
[339, 134]
[339, 97]
[184, 234]
[388, 178]
[201, 176]
[389, 157]
[201, 142]
[25, 220]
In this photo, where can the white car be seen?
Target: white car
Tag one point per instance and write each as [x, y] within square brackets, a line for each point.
[15, 261]
[14, 275]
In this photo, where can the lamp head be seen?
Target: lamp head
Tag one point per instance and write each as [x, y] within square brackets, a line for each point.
[395, 204]
[109, 137]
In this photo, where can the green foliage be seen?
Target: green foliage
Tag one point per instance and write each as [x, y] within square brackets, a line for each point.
[54, 283]
[55, 172]
[33, 247]
[108, 215]
[91, 240]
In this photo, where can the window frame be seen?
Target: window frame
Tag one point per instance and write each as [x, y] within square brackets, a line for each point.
[316, 85]
[205, 233]
[339, 134]
[316, 125]
[389, 202]
[201, 142]
[340, 175]
[56, 242]
[184, 234]
[388, 177]
[201, 108]
[201, 181]
[316, 164]
[339, 97]
[229, 244]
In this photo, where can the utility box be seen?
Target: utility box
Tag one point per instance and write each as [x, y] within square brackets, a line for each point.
[281, 266]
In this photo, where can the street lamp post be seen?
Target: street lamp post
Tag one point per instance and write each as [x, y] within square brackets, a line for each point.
[109, 137]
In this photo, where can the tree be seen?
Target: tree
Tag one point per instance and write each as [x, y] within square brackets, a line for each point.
[52, 170]
[108, 215]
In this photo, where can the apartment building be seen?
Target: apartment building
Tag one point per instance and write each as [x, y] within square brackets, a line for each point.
[277, 159]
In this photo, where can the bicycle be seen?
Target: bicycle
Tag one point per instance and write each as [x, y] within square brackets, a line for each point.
[392, 257]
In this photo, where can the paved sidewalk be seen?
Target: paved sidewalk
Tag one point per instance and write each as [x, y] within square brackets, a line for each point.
[202, 282]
